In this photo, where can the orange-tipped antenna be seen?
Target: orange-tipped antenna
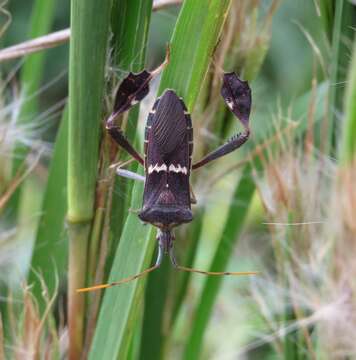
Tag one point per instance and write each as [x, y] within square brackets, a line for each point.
[126, 280]
[216, 273]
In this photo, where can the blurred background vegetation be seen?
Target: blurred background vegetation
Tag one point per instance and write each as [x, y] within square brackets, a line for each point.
[283, 205]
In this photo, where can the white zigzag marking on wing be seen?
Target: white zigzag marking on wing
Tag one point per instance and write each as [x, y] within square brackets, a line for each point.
[157, 168]
[178, 169]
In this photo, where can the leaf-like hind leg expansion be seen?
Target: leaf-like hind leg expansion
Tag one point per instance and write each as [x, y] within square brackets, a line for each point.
[134, 88]
[131, 91]
[237, 96]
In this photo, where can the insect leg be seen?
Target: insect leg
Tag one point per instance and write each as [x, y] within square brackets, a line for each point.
[117, 134]
[234, 143]
[237, 96]
[126, 173]
[132, 90]
[129, 174]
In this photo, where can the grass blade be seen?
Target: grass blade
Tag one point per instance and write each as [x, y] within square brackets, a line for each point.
[31, 77]
[326, 8]
[155, 300]
[49, 256]
[183, 282]
[348, 143]
[195, 36]
[88, 48]
[130, 29]
[118, 310]
[344, 19]
[194, 39]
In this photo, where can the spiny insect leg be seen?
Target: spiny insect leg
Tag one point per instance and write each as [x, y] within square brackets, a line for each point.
[237, 96]
[234, 143]
[117, 134]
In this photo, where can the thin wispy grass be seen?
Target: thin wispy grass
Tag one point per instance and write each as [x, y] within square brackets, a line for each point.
[308, 203]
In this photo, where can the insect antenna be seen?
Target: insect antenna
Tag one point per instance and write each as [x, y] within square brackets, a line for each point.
[216, 273]
[211, 273]
[128, 279]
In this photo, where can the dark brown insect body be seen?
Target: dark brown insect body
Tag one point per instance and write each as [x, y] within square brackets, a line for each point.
[168, 151]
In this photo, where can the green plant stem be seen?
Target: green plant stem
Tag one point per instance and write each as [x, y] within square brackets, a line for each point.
[326, 12]
[78, 236]
[88, 48]
[344, 19]
[348, 142]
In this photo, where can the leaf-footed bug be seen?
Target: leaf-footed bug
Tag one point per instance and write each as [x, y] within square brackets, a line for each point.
[167, 161]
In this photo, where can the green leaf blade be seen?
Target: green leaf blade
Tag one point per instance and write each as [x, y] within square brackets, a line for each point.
[119, 306]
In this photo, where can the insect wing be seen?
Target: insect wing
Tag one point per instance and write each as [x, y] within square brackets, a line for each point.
[168, 149]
